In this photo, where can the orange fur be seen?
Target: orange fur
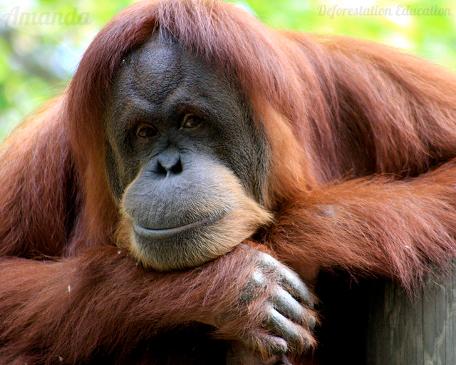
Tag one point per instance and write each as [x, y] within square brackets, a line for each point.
[362, 137]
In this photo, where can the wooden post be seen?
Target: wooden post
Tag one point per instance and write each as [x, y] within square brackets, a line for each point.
[413, 331]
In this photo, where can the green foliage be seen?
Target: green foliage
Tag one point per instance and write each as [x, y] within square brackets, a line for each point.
[431, 36]
[41, 41]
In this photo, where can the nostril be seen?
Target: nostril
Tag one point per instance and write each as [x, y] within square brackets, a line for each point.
[177, 167]
[160, 170]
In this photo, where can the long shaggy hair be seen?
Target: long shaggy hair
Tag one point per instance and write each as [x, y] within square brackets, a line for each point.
[362, 136]
[337, 108]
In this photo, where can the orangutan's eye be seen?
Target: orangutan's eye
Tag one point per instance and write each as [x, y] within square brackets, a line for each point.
[191, 121]
[146, 131]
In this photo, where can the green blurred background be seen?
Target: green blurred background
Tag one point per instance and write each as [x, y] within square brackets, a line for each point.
[41, 41]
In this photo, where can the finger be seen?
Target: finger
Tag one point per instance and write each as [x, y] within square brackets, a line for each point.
[284, 328]
[267, 345]
[296, 287]
[288, 306]
[289, 279]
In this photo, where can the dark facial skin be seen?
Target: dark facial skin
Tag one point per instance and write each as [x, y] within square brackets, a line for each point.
[185, 159]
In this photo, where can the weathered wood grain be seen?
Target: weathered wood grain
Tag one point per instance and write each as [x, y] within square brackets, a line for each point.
[413, 331]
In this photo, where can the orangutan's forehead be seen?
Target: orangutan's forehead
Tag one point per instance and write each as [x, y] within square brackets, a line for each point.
[159, 61]
[161, 68]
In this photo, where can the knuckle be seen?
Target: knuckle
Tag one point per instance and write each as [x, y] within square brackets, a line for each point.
[254, 287]
[267, 261]
[258, 278]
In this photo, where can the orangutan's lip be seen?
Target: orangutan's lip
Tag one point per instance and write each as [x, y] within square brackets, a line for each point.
[162, 233]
